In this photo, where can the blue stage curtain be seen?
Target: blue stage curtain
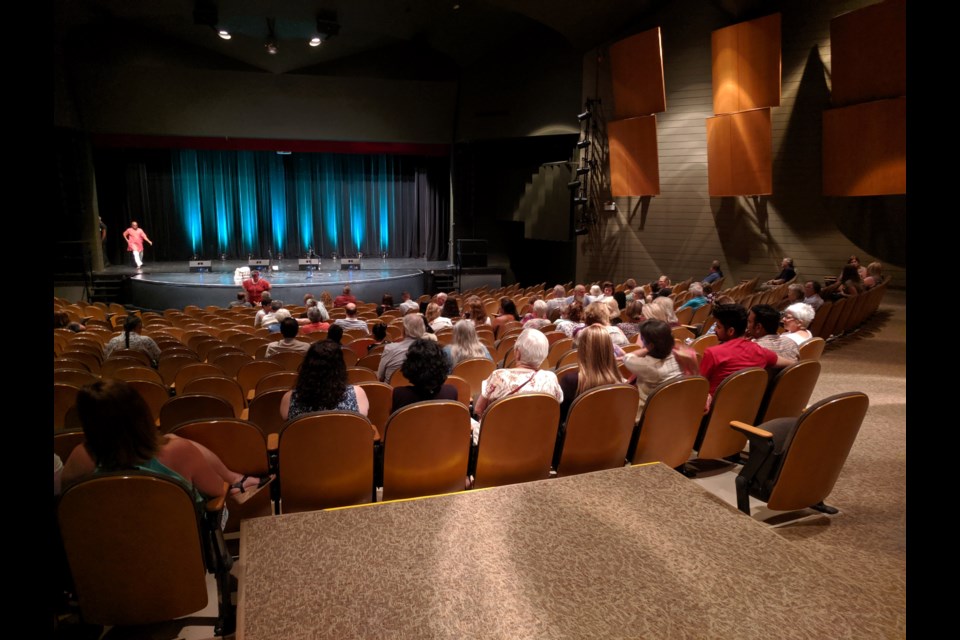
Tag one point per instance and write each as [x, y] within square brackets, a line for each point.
[242, 203]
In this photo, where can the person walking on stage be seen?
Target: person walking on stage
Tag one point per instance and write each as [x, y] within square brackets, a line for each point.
[135, 237]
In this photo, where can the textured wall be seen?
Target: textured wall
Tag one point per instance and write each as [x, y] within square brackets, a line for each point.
[682, 230]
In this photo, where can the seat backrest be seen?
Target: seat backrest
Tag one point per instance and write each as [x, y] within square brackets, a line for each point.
[326, 460]
[670, 421]
[462, 387]
[66, 441]
[812, 349]
[195, 370]
[737, 398]
[380, 400]
[426, 446]
[598, 429]
[264, 410]
[474, 371]
[192, 407]
[153, 393]
[517, 438]
[64, 398]
[816, 453]
[789, 392]
[397, 379]
[134, 373]
[226, 388]
[231, 362]
[356, 375]
[74, 377]
[133, 543]
[370, 361]
[252, 372]
[288, 360]
[132, 353]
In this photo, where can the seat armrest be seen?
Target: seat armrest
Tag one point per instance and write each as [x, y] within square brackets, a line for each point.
[217, 503]
[750, 431]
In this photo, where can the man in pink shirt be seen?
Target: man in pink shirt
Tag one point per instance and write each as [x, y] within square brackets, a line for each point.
[135, 237]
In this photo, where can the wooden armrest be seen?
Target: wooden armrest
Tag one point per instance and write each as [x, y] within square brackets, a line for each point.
[216, 504]
[376, 432]
[750, 430]
[273, 441]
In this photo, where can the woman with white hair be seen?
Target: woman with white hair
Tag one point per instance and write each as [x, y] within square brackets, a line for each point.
[796, 318]
[661, 309]
[539, 319]
[697, 298]
[525, 376]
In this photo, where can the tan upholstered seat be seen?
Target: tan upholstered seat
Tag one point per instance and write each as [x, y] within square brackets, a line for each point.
[474, 371]
[181, 409]
[670, 421]
[812, 349]
[598, 429]
[380, 400]
[737, 398]
[518, 434]
[226, 388]
[789, 392]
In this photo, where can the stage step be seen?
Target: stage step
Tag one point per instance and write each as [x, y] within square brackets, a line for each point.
[107, 288]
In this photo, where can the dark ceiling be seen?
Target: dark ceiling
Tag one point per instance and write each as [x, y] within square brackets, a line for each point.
[453, 34]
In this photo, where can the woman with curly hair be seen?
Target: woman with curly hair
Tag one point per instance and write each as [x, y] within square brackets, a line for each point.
[322, 384]
[570, 318]
[426, 369]
[473, 310]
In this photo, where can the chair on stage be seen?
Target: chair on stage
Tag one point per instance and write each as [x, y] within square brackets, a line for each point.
[789, 392]
[426, 446]
[518, 434]
[795, 462]
[670, 421]
[598, 429]
[139, 549]
[326, 460]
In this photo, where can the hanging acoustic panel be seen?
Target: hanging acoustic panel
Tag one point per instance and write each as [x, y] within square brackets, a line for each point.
[634, 163]
[746, 65]
[865, 149]
[740, 154]
[868, 51]
[636, 68]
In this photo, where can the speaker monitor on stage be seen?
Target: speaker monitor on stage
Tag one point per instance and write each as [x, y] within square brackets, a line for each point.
[199, 266]
[349, 264]
[260, 264]
[304, 263]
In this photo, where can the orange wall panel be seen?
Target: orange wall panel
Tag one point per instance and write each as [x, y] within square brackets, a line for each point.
[634, 162]
[636, 67]
[865, 149]
[746, 65]
[869, 53]
[740, 154]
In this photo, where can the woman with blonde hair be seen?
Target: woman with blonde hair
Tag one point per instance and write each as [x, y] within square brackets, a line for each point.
[599, 313]
[661, 309]
[597, 366]
[473, 310]
[435, 320]
[465, 344]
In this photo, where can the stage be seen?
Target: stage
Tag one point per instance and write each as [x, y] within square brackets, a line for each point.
[168, 285]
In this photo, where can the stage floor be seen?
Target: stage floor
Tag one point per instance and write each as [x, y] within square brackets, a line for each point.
[166, 285]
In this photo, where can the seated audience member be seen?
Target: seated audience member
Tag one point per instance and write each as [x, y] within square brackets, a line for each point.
[628, 286]
[697, 298]
[599, 313]
[874, 275]
[120, 435]
[335, 333]
[665, 286]
[450, 309]
[634, 316]
[344, 298]
[133, 338]
[638, 293]
[265, 302]
[796, 319]
[396, 352]
[386, 304]
[661, 309]
[763, 321]
[606, 292]
[465, 345]
[558, 300]
[319, 304]
[848, 285]
[597, 366]
[314, 321]
[621, 299]
[715, 273]
[811, 292]
[288, 329]
[241, 300]
[406, 304]
[735, 352]
[474, 311]
[712, 328]
[440, 299]
[507, 313]
[795, 293]
[379, 333]
[352, 321]
[655, 362]
[786, 274]
[322, 385]
[570, 319]
[525, 376]
[61, 320]
[326, 302]
[435, 319]
[426, 368]
[538, 319]
[271, 320]
[579, 295]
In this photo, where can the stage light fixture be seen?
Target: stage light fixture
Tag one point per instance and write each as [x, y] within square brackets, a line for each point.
[574, 185]
[584, 116]
[271, 44]
[583, 144]
[223, 33]
[272, 48]
[315, 41]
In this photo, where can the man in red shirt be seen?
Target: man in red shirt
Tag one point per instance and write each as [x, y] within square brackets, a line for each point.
[255, 287]
[735, 351]
[345, 298]
[135, 237]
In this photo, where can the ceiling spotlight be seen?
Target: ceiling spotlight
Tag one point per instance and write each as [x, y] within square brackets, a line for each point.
[583, 116]
[271, 44]
[272, 48]
[316, 41]
[583, 144]
[582, 171]
[223, 33]
[573, 185]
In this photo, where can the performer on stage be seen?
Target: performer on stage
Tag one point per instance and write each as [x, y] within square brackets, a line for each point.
[255, 287]
[135, 236]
